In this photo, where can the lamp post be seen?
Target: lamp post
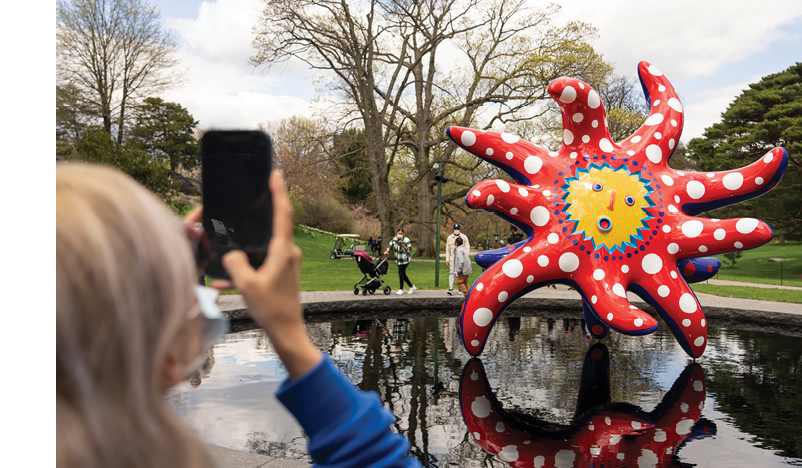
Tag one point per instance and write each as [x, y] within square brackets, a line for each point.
[495, 237]
[487, 233]
[439, 176]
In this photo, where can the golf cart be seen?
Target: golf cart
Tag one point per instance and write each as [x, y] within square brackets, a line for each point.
[342, 251]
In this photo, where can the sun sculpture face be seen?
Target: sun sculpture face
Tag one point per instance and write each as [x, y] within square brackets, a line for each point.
[590, 236]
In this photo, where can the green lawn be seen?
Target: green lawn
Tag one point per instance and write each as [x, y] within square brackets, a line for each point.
[763, 294]
[754, 268]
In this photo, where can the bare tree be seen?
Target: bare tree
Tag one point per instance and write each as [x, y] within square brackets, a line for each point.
[113, 51]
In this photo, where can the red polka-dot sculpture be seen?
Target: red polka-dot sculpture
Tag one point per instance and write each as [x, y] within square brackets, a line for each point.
[607, 218]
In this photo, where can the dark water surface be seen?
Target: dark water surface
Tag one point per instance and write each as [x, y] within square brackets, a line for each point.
[543, 394]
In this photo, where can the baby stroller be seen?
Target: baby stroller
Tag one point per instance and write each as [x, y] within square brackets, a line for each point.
[372, 273]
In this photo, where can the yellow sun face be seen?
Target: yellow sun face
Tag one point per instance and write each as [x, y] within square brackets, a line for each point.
[607, 205]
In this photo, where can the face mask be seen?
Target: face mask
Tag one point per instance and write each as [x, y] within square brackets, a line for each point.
[215, 324]
[400, 236]
[456, 232]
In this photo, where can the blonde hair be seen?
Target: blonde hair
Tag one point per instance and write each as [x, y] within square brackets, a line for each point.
[124, 278]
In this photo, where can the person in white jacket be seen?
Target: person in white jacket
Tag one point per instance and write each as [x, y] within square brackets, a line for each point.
[462, 266]
[450, 246]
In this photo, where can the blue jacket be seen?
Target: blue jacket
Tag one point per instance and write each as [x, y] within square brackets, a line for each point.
[346, 426]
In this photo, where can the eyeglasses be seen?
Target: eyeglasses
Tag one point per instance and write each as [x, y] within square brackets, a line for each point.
[213, 326]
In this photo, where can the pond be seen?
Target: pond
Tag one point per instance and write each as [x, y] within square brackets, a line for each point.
[543, 394]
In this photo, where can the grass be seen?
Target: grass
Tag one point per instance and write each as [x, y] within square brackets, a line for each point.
[753, 267]
[744, 292]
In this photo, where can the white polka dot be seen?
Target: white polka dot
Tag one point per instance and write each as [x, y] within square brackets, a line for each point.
[523, 191]
[638, 323]
[618, 290]
[499, 426]
[605, 145]
[654, 153]
[553, 154]
[652, 263]
[759, 180]
[480, 407]
[733, 180]
[503, 185]
[698, 385]
[546, 193]
[530, 278]
[474, 375]
[593, 99]
[710, 175]
[666, 228]
[502, 296]
[684, 407]
[658, 135]
[476, 193]
[598, 274]
[625, 268]
[654, 119]
[490, 199]
[676, 198]
[509, 155]
[663, 291]
[674, 273]
[512, 268]
[577, 117]
[476, 435]
[553, 238]
[569, 262]
[671, 142]
[564, 458]
[703, 248]
[514, 211]
[508, 453]
[768, 158]
[574, 154]
[683, 427]
[738, 245]
[632, 307]
[635, 139]
[692, 228]
[656, 103]
[675, 104]
[703, 322]
[746, 225]
[594, 124]
[667, 180]
[661, 88]
[480, 286]
[585, 138]
[621, 456]
[568, 95]
[489, 151]
[699, 341]
[468, 138]
[673, 248]
[686, 323]
[543, 260]
[593, 299]
[510, 138]
[672, 209]
[687, 303]
[680, 173]
[532, 164]
[539, 216]
[527, 249]
[720, 234]
[695, 189]
[540, 460]
[482, 316]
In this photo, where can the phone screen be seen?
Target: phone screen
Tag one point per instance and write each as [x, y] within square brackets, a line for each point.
[237, 206]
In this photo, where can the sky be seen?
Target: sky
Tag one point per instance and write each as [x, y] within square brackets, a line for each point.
[710, 50]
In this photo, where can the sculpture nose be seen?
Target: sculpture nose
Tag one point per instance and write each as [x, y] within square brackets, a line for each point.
[612, 199]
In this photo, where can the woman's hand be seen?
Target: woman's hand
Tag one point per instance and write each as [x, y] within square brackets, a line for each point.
[272, 291]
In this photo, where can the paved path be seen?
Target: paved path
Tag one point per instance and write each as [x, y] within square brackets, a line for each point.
[230, 458]
[751, 285]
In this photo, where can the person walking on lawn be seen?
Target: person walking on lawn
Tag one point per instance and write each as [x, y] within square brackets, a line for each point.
[450, 246]
[402, 251]
[462, 266]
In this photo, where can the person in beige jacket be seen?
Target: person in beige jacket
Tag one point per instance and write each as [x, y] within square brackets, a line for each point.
[450, 246]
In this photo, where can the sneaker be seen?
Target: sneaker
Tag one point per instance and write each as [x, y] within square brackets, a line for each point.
[400, 292]
[450, 292]
[412, 290]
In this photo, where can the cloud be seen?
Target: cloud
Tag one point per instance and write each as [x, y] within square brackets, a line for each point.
[686, 39]
[222, 89]
[704, 108]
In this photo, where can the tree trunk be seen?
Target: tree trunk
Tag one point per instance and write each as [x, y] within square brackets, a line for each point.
[426, 208]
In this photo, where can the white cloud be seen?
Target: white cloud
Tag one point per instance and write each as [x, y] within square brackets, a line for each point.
[223, 90]
[686, 39]
[704, 108]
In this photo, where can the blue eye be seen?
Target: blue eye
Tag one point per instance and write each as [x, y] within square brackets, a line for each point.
[597, 187]
[629, 200]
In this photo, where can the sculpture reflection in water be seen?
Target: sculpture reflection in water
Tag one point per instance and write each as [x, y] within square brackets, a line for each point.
[601, 434]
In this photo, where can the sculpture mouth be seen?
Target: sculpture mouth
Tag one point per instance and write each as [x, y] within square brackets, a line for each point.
[604, 224]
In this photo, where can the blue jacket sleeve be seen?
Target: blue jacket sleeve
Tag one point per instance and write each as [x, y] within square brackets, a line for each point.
[346, 426]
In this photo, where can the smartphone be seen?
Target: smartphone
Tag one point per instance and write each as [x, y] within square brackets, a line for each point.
[237, 206]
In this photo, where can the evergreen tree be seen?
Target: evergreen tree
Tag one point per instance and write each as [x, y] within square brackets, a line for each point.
[767, 115]
[166, 131]
[352, 157]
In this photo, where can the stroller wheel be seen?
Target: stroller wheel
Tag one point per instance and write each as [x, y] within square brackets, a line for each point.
[387, 290]
[356, 291]
[372, 291]
[333, 257]
[364, 291]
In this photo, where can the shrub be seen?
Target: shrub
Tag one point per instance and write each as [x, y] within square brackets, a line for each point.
[327, 214]
[733, 257]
